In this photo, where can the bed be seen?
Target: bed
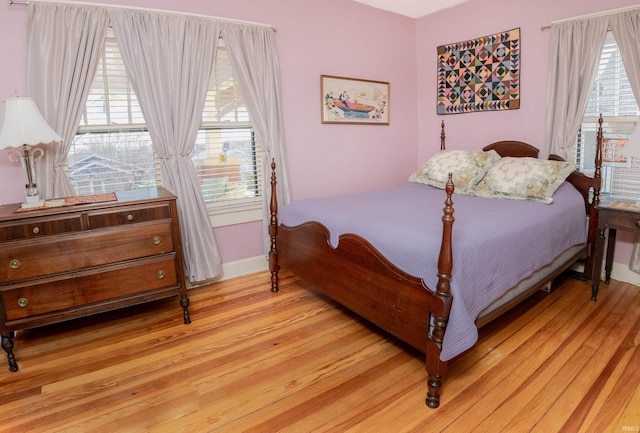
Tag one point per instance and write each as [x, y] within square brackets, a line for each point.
[393, 257]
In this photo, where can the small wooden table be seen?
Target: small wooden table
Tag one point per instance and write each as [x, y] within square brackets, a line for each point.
[614, 215]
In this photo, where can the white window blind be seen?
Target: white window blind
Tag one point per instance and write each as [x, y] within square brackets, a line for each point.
[612, 97]
[112, 149]
[226, 156]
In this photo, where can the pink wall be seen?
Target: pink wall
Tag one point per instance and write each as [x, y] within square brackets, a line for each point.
[483, 17]
[333, 37]
[340, 37]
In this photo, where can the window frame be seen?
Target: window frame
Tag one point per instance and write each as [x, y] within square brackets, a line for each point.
[221, 213]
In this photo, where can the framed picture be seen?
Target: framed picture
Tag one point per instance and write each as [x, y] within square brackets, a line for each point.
[354, 101]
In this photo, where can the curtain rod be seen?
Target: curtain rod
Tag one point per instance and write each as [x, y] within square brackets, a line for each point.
[593, 15]
[229, 20]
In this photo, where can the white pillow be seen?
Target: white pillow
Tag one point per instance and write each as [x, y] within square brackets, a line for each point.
[468, 168]
[524, 179]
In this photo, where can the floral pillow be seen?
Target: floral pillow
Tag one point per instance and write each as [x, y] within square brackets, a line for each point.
[524, 179]
[467, 167]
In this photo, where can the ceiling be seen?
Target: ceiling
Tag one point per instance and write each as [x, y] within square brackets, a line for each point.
[411, 8]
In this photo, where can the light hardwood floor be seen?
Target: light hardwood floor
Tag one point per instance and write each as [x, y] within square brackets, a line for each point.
[293, 361]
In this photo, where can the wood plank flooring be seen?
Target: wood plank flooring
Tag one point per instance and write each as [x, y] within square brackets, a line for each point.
[293, 361]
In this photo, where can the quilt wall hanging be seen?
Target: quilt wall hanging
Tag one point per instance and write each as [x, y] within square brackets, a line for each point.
[481, 74]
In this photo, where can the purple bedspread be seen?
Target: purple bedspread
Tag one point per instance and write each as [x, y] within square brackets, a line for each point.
[496, 242]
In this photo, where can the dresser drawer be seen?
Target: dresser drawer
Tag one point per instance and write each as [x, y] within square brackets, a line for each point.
[38, 227]
[623, 220]
[128, 215]
[55, 255]
[116, 282]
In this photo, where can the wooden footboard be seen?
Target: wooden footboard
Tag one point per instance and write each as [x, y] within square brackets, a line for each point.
[358, 277]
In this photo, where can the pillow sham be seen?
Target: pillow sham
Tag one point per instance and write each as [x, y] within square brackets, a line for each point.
[524, 179]
[468, 168]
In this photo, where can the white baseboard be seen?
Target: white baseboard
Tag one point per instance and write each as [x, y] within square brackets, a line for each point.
[244, 267]
[237, 269]
[621, 272]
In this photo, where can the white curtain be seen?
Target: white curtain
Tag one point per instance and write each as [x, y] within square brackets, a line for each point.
[625, 27]
[575, 49]
[253, 54]
[64, 44]
[168, 59]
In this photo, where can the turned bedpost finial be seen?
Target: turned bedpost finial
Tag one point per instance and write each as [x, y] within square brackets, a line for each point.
[442, 136]
[598, 163]
[273, 230]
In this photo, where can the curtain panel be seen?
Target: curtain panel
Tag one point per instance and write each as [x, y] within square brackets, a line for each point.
[255, 62]
[64, 44]
[168, 59]
[575, 49]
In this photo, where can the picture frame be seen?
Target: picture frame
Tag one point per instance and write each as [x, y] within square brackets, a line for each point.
[354, 101]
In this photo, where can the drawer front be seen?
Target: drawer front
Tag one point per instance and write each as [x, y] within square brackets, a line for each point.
[623, 221]
[38, 227]
[56, 255]
[128, 215]
[89, 288]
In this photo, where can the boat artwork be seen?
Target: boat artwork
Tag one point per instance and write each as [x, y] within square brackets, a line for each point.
[353, 110]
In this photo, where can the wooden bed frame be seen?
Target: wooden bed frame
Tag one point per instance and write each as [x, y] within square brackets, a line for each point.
[360, 278]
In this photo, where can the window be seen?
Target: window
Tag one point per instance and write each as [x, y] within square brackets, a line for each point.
[112, 149]
[226, 156]
[612, 97]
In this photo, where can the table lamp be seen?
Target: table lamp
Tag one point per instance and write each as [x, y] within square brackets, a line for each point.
[24, 127]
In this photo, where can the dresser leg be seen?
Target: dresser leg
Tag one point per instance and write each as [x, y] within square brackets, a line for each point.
[7, 345]
[184, 303]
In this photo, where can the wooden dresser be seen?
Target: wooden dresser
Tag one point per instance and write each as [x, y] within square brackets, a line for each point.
[67, 262]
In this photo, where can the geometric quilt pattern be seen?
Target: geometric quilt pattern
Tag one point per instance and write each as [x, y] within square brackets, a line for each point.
[481, 74]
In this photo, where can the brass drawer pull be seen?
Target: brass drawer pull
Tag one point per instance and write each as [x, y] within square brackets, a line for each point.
[15, 264]
[130, 217]
[23, 302]
[638, 223]
[156, 240]
[160, 275]
[36, 230]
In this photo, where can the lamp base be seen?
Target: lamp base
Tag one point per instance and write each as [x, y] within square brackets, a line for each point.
[32, 201]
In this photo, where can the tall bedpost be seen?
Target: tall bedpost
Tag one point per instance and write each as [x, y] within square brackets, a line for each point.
[597, 175]
[436, 368]
[442, 136]
[593, 208]
[274, 267]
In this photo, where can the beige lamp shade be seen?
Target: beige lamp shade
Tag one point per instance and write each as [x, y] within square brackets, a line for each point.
[23, 124]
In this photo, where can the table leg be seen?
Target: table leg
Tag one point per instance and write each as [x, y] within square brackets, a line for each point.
[597, 264]
[7, 345]
[611, 245]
